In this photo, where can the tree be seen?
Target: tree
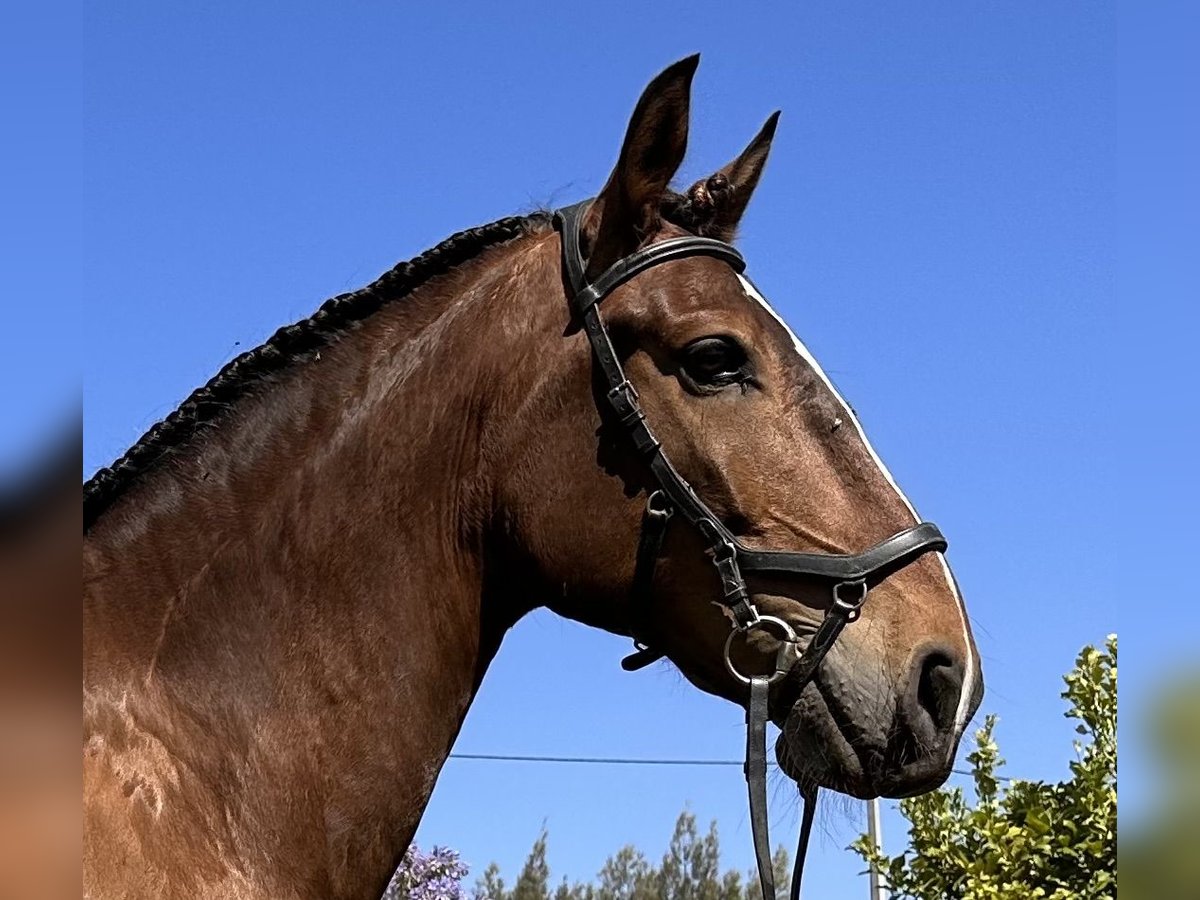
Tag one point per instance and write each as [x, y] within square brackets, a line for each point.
[534, 881]
[490, 884]
[690, 864]
[782, 865]
[690, 870]
[1028, 839]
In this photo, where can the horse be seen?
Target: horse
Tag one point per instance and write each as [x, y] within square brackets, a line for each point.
[295, 582]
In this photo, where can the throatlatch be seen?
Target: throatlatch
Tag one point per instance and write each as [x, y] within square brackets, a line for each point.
[850, 576]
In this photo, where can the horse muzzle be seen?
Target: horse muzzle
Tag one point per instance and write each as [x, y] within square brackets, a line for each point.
[861, 735]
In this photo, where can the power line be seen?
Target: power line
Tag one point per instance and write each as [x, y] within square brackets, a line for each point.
[624, 761]
[592, 760]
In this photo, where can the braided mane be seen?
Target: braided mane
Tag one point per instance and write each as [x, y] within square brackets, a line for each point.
[299, 341]
[287, 346]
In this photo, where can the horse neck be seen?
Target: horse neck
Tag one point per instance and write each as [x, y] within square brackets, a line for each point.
[299, 614]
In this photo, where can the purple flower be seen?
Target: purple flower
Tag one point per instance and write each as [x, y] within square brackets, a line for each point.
[436, 875]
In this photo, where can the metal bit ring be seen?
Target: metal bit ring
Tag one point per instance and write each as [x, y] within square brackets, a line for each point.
[783, 656]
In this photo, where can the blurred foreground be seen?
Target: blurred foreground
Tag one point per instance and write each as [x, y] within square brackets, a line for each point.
[40, 673]
[1159, 855]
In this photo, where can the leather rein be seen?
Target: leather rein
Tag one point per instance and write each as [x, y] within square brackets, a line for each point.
[849, 576]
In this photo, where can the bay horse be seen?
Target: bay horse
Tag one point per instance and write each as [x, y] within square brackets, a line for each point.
[294, 584]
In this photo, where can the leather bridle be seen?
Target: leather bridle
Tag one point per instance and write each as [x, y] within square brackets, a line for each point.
[849, 576]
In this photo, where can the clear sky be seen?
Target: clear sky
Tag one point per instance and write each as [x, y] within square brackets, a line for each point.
[938, 221]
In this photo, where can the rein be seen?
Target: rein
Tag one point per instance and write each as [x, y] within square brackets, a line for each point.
[850, 576]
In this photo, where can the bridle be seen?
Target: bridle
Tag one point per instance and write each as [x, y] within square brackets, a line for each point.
[850, 576]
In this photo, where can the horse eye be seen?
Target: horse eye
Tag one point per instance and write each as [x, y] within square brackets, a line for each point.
[715, 361]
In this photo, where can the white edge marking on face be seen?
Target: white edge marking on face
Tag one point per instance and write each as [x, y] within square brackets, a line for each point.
[960, 715]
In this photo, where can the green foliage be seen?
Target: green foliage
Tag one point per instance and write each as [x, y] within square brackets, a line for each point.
[1028, 838]
[690, 870]
[626, 876]
[490, 884]
[534, 881]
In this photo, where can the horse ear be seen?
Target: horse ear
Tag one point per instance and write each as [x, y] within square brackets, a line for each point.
[626, 210]
[720, 200]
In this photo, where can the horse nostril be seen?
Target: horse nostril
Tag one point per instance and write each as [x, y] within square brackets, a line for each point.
[939, 688]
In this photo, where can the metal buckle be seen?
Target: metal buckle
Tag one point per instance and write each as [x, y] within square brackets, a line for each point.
[851, 607]
[624, 400]
[733, 587]
[723, 551]
[658, 506]
[626, 386]
[783, 654]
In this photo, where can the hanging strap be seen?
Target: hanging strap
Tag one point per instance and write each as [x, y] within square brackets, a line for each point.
[756, 785]
[655, 518]
[756, 781]
[809, 796]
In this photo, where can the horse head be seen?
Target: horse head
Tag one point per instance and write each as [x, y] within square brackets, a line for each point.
[748, 418]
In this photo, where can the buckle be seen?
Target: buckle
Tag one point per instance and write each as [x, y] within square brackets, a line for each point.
[850, 607]
[745, 613]
[658, 506]
[733, 586]
[623, 398]
[724, 551]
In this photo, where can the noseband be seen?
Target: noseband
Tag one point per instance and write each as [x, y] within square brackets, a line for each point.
[849, 576]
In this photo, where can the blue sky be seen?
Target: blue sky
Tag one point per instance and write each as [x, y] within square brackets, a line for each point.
[939, 222]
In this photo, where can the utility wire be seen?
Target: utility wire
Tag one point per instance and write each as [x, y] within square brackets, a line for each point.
[624, 761]
[595, 760]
